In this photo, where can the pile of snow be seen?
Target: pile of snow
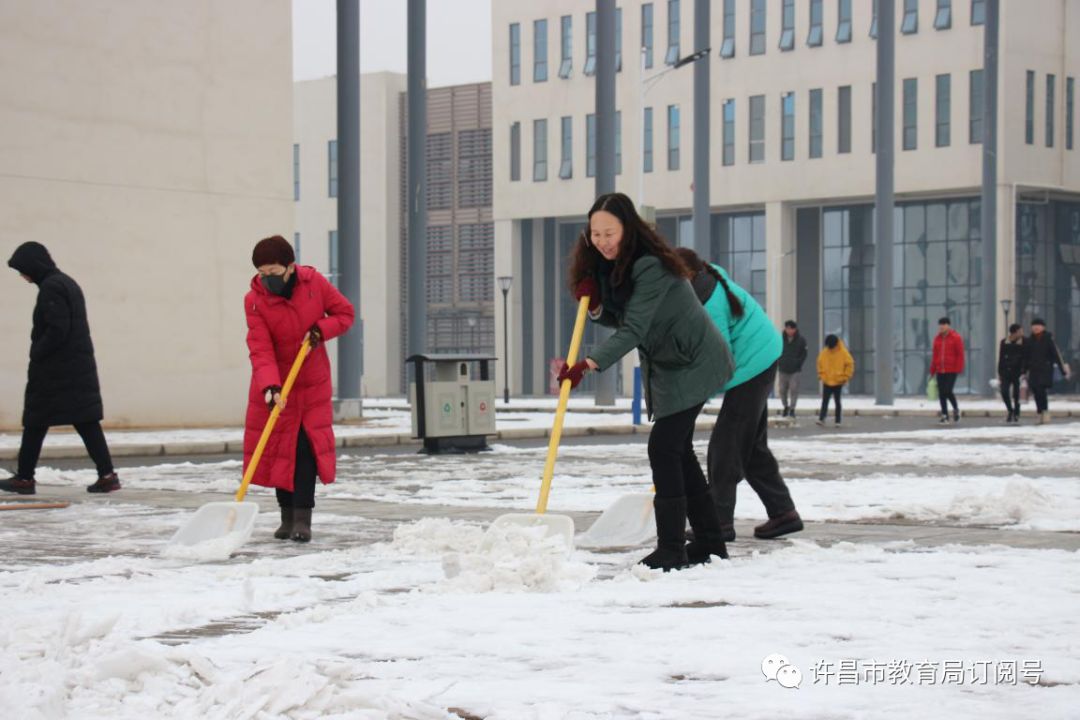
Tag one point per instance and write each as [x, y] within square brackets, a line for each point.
[511, 559]
[213, 550]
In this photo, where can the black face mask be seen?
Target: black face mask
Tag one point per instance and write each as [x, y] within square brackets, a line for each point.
[274, 283]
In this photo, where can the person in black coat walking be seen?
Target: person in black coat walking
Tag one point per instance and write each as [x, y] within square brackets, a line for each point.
[62, 381]
[1041, 357]
[789, 366]
[1010, 369]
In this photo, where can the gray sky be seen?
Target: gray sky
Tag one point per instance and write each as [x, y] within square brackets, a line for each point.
[458, 39]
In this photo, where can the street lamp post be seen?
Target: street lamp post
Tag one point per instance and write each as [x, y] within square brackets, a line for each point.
[504, 284]
[1005, 305]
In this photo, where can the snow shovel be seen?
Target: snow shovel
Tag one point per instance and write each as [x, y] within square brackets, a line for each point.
[553, 525]
[628, 522]
[228, 525]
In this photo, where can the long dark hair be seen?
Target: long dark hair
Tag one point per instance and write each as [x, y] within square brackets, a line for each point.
[639, 238]
[697, 266]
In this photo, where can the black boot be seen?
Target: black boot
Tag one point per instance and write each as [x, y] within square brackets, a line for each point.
[670, 550]
[301, 527]
[109, 483]
[708, 533]
[285, 531]
[16, 484]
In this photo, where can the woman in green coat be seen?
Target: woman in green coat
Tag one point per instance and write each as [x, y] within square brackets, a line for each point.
[637, 284]
[739, 445]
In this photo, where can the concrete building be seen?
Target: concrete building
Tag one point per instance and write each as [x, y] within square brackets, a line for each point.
[460, 237]
[146, 145]
[792, 164]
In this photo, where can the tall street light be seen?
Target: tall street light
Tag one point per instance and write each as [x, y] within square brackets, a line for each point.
[1005, 305]
[649, 213]
[504, 284]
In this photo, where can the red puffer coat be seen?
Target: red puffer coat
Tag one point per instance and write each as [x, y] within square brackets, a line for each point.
[276, 327]
[948, 354]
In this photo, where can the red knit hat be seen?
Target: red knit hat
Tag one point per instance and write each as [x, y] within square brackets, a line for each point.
[274, 250]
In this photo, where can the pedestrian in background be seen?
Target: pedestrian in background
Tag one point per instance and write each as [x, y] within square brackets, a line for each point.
[835, 366]
[1041, 358]
[62, 382]
[791, 364]
[637, 284]
[739, 444]
[286, 304]
[946, 362]
[1010, 369]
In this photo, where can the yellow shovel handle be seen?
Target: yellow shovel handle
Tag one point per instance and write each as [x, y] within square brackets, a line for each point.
[560, 412]
[305, 348]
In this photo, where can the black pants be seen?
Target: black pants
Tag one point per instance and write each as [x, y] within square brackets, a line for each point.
[828, 392]
[739, 447]
[945, 384]
[1010, 393]
[675, 468]
[303, 494]
[92, 436]
[1042, 403]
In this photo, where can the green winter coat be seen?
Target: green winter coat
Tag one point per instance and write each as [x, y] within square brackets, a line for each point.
[684, 359]
[752, 338]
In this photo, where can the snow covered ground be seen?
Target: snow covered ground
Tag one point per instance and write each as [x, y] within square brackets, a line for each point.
[416, 620]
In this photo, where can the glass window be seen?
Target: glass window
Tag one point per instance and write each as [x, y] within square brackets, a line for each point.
[618, 39]
[590, 145]
[1069, 102]
[978, 12]
[943, 18]
[757, 129]
[540, 150]
[515, 151]
[975, 107]
[439, 155]
[647, 141]
[787, 126]
[332, 271]
[296, 245]
[727, 50]
[873, 21]
[566, 43]
[647, 33]
[757, 27]
[729, 132]
[816, 31]
[942, 110]
[474, 168]
[515, 54]
[540, 64]
[673, 137]
[873, 117]
[296, 171]
[816, 125]
[566, 161]
[1050, 79]
[618, 142]
[738, 244]
[843, 22]
[590, 44]
[673, 51]
[911, 114]
[331, 152]
[787, 25]
[843, 119]
[910, 23]
[1029, 109]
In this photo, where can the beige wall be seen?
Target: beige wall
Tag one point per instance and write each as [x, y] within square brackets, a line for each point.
[147, 146]
[315, 124]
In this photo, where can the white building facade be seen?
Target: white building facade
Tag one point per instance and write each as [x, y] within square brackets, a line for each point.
[792, 164]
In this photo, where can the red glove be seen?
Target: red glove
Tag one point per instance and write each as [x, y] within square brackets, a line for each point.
[573, 373]
[588, 287]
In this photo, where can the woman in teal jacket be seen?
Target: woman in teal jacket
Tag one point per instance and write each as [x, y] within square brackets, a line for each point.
[637, 284]
[739, 445]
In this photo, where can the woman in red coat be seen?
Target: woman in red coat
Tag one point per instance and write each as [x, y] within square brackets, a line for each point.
[286, 303]
[947, 361]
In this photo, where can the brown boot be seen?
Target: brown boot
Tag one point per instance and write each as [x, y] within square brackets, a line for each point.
[16, 484]
[782, 524]
[109, 483]
[301, 528]
[284, 532]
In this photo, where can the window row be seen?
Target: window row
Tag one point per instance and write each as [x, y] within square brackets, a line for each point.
[1050, 109]
[757, 24]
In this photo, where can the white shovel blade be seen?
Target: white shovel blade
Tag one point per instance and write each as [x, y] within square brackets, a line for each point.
[628, 522]
[554, 526]
[229, 521]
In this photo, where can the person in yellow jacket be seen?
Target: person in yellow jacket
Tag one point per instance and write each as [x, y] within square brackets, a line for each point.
[835, 366]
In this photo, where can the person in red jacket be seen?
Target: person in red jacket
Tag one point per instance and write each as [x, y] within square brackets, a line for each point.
[946, 363]
[287, 303]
